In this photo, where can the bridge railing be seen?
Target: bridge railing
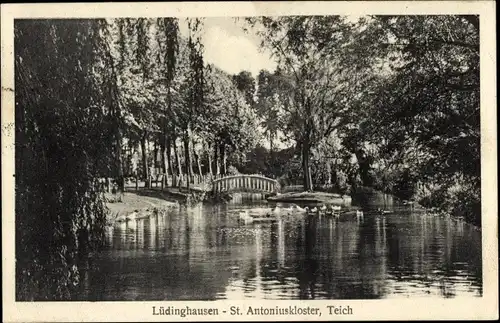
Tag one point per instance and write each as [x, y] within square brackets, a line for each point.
[216, 183]
[109, 185]
[245, 183]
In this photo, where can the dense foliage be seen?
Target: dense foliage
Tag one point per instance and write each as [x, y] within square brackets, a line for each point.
[427, 106]
[64, 128]
[384, 102]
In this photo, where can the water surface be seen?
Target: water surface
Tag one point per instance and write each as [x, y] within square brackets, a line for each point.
[205, 253]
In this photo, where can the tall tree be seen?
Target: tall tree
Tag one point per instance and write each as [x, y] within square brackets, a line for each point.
[271, 94]
[308, 51]
[138, 83]
[64, 95]
[168, 43]
[245, 83]
[193, 91]
[228, 119]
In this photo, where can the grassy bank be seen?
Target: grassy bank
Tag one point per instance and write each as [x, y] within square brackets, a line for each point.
[128, 202]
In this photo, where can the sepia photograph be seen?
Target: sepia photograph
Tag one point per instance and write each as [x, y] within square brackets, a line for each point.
[265, 157]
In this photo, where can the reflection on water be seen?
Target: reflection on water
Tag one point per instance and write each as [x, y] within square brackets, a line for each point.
[204, 253]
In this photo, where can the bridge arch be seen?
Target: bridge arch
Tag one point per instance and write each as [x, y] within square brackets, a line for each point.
[245, 183]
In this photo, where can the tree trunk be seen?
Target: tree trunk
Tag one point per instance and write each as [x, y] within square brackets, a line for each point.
[310, 179]
[223, 158]
[224, 162]
[197, 160]
[271, 143]
[168, 146]
[119, 159]
[329, 172]
[364, 167]
[200, 171]
[145, 168]
[216, 159]
[190, 153]
[177, 159]
[163, 152]
[270, 164]
[209, 157]
[155, 157]
[187, 160]
[305, 165]
[177, 162]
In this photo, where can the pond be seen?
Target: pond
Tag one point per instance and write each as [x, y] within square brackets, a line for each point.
[206, 253]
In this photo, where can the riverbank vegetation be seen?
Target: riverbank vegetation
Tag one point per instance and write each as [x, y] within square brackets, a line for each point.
[389, 103]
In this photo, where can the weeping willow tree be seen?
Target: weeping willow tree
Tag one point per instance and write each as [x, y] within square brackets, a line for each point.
[65, 126]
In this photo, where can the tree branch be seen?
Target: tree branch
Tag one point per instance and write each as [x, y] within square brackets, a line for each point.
[473, 20]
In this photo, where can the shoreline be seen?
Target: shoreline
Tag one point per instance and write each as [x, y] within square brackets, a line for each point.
[123, 204]
[311, 198]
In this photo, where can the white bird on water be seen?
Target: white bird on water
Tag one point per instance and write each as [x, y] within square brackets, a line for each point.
[335, 210]
[245, 216]
[132, 215]
[298, 208]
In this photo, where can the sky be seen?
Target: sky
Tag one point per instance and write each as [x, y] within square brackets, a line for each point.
[228, 47]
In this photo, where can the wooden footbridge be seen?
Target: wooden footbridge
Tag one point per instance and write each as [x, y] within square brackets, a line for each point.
[245, 183]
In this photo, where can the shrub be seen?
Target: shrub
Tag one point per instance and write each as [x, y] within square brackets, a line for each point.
[231, 170]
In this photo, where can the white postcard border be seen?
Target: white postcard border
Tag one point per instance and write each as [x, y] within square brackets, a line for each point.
[485, 307]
